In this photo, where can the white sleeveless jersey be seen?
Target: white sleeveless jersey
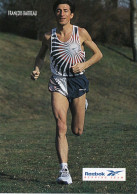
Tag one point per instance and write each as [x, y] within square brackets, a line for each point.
[65, 54]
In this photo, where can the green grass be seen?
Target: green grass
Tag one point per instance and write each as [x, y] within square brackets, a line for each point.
[28, 161]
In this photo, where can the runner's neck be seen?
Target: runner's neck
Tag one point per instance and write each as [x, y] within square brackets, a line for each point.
[64, 30]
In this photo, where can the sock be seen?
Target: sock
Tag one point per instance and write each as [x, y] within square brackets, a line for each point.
[64, 165]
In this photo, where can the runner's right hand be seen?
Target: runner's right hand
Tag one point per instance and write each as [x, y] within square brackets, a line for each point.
[35, 74]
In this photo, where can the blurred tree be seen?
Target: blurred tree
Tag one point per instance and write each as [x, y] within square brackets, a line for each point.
[133, 5]
[111, 3]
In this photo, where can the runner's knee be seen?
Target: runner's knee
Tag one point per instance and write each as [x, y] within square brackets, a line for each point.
[77, 131]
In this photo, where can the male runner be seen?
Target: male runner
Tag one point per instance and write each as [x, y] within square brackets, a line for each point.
[68, 84]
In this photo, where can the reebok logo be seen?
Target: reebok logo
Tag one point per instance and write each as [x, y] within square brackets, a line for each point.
[104, 174]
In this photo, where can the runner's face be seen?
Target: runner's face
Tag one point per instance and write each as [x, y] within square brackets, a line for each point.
[63, 14]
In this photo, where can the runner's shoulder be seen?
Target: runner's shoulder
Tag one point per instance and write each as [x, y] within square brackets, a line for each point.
[84, 34]
[47, 35]
[46, 39]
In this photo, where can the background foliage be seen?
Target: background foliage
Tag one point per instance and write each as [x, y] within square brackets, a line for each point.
[107, 21]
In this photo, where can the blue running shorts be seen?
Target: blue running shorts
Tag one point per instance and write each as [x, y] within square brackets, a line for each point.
[71, 87]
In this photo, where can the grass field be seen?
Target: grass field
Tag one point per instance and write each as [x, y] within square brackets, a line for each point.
[28, 161]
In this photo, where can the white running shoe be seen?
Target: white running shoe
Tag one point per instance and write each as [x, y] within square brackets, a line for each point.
[64, 177]
[86, 104]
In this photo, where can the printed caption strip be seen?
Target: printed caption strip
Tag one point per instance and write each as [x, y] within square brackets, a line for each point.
[104, 174]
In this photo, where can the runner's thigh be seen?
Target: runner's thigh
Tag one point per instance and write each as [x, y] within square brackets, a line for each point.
[78, 112]
[60, 106]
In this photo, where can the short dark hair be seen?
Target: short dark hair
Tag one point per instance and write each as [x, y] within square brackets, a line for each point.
[69, 2]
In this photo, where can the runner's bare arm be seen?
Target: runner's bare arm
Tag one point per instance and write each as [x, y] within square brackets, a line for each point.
[86, 40]
[39, 61]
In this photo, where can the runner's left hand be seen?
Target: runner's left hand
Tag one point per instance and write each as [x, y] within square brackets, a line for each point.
[78, 68]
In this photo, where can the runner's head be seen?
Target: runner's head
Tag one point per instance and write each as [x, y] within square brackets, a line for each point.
[68, 2]
[64, 11]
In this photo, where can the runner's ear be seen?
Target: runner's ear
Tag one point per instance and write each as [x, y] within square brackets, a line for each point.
[72, 15]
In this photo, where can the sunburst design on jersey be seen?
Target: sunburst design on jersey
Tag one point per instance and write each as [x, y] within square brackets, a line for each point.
[65, 54]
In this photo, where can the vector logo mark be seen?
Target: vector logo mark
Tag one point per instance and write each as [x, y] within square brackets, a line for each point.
[113, 173]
